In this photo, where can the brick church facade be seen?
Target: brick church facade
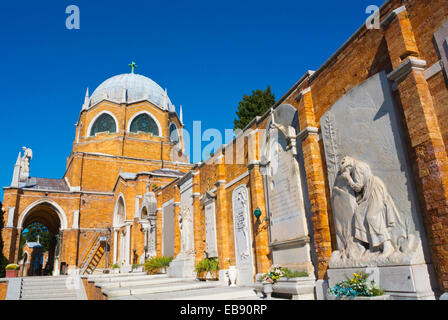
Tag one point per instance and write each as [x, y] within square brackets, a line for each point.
[128, 178]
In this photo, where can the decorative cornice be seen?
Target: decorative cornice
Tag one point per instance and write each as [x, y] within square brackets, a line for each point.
[306, 132]
[434, 69]
[391, 16]
[300, 242]
[302, 93]
[405, 68]
[237, 179]
[220, 182]
[207, 197]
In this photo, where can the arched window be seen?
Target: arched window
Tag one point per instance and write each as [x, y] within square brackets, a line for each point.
[144, 213]
[144, 123]
[104, 123]
[174, 135]
[121, 214]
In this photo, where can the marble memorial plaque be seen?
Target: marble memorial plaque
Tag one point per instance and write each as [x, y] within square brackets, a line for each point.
[243, 237]
[168, 230]
[441, 42]
[374, 201]
[285, 195]
[210, 230]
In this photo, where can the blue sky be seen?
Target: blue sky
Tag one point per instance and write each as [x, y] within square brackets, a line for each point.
[207, 53]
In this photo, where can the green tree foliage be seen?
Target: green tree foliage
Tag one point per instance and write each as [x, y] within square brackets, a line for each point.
[3, 260]
[33, 231]
[254, 105]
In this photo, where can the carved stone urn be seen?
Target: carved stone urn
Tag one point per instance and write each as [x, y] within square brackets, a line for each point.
[232, 275]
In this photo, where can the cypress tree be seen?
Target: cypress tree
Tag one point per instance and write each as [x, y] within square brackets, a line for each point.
[254, 105]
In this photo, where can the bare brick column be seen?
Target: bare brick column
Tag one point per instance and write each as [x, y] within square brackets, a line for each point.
[199, 242]
[315, 180]
[9, 238]
[260, 225]
[223, 220]
[427, 146]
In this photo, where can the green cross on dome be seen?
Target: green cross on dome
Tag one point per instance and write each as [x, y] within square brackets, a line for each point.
[133, 66]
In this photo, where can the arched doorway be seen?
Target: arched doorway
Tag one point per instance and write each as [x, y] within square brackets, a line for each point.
[122, 237]
[50, 215]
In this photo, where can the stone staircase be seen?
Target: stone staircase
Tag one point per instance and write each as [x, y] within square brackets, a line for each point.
[139, 286]
[50, 288]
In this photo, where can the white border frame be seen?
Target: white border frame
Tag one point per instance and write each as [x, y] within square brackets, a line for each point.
[128, 129]
[96, 117]
[59, 211]
[116, 217]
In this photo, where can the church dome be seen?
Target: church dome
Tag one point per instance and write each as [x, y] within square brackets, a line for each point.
[129, 88]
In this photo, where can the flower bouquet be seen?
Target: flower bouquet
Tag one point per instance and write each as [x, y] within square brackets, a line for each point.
[357, 286]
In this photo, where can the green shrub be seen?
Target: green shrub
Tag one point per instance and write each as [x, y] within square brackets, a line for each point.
[154, 264]
[115, 266]
[207, 264]
[12, 267]
[136, 265]
[165, 261]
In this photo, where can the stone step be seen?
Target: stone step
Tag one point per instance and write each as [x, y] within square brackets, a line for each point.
[137, 283]
[227, 295]
[43, 280]
[52, 298]
[214, 293]
[116, 275]
[160, 288]
[43, 290]
[124, 278]
[46, 285]
[49, 295]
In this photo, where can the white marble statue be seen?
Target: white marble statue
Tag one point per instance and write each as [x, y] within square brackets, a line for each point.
[288, 131]
[25, 164]
[369, 227]
[185, 221]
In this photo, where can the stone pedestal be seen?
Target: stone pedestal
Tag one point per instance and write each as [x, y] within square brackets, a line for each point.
[181, 267]
[125, 268]
[301, 288]
[411, 282]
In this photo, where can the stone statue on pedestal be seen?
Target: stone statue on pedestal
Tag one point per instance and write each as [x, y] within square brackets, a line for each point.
[25, 164]
[185, 226]
[370, 230]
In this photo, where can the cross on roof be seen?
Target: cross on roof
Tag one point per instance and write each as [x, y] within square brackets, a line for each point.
[133, 66]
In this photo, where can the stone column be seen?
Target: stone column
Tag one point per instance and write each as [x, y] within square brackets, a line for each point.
[427, 145]
[128, 244]
[158, 234]
[115, 231]
[177, 234]
[137, 207]
[315, 177]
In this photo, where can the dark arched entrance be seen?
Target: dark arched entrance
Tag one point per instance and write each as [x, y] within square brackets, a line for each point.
[48, 215]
